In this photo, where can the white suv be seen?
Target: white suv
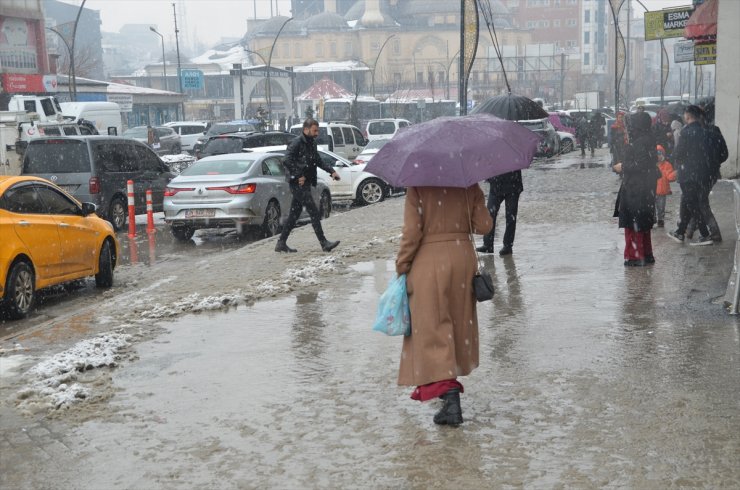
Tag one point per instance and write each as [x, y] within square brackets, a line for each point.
[189, 132]
[384, 128]
[343, 139]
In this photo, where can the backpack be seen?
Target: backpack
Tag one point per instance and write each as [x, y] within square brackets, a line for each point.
[716, 147]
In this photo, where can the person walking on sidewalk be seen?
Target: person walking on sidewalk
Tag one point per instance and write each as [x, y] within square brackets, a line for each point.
[636, 199]
[694, 177]
[618, 140]
[302, 159]
[503, 188]
[437, 256]
[667, 175]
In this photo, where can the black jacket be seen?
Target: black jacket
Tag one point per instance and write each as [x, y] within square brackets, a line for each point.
[508, 183]
[301, 160]
[639, 180]
[690, 155]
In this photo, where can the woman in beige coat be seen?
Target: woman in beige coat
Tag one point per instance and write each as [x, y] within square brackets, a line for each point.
[437, 255]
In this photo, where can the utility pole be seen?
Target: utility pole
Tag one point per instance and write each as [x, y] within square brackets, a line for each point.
[179, 68]
[462, 96]
[562, 81]
[627, 57]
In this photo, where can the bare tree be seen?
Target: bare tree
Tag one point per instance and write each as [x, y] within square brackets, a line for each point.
[85, 61]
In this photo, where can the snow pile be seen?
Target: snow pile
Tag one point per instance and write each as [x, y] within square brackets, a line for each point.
[307, 274]
[56, 379]
[193, 303]
[178, 163]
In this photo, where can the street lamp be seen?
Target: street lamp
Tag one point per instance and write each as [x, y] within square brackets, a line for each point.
[69, 55]
[269, 67]
[375, 65]
[164, 65]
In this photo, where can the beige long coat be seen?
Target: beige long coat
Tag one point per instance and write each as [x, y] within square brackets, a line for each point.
[438, 257]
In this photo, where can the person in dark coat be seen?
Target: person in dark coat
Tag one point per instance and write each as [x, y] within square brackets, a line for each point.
[694, 177]
[302, 159]
[636, 200]
[503, 188]
[618, 139]
[662, 130]
[596, 131]
[582, 134]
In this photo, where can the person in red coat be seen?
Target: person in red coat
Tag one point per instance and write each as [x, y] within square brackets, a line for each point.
[667, 175]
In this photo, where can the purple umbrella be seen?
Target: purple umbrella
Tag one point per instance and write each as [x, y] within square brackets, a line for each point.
[454, 152]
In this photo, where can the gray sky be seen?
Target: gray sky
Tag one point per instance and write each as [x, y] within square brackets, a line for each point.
[210, 20]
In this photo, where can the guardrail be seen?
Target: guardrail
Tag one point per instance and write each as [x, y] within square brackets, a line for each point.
[735, 304]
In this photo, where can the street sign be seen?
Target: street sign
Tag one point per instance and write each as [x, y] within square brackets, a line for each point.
[191, 79]
[683, 51]
[666, 23]
[705, 54]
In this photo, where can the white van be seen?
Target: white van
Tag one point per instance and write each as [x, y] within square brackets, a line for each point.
[105, 116]
[343, 139]
[384, 128]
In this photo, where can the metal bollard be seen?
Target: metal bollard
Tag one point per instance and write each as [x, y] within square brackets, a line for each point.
[131, 209]
[149, 213]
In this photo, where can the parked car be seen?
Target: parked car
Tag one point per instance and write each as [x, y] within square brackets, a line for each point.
[96, 168]
[567, 141]
[238, 190]
[238, 142]
[48, 238]
[550, 144]
[224, 128]
[562, 122]
[167, 139]
[189, 131]
[343, 139]
[370, 150]
[384, 128]
[355, 184]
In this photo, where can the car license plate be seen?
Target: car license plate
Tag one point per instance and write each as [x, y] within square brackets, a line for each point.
[200, 213]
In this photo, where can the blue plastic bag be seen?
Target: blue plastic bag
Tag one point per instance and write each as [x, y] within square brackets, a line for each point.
[394, 316]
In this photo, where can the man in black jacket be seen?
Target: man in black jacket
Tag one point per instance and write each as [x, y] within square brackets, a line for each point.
[694, 176]
[503, 188]
[302, 159]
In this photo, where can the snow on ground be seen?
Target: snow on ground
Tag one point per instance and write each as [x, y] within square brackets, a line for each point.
[60, 381]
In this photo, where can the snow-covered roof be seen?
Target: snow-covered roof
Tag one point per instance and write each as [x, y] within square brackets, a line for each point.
[324, 89]
[122, 88]
[327, 66]
[225, 58]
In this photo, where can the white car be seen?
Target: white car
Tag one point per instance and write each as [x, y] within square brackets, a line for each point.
[370, 150]
[567, 141]
[189, 132]
[356, 184]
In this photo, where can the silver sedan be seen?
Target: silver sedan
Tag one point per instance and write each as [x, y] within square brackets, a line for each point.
[239, 190]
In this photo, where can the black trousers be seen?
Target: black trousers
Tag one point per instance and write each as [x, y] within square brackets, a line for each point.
[705, 211]
[302, 198]
[691, 208]
[512, 206]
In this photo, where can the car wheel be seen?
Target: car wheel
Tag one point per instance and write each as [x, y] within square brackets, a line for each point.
[19, 291]
[182, 233]
[370, 191]
[271, 225]
[325, 205]
[117, 213]
[567, 146]
[104, 277]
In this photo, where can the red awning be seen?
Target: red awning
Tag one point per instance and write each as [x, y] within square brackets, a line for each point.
[324, 89]
[703, 22]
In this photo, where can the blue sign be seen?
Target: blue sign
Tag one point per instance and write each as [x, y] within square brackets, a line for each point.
[191, 79]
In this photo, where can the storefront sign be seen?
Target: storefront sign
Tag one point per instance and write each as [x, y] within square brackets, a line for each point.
[191, 79]
[18, 83]
[705, 54]
[667, 23]
[125, 101]
[683, 51]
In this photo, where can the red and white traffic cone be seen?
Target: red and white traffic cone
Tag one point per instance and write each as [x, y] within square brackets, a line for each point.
[149, 213]
[131, 209]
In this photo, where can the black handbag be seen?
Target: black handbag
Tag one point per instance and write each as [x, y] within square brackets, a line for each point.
[483, 285]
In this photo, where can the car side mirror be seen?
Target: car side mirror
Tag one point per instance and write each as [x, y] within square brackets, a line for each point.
[88, 208]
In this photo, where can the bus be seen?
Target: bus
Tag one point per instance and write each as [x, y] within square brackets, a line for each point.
[355, 111]
[417, 110]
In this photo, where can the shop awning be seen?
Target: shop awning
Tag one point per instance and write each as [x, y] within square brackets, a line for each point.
[703, 22]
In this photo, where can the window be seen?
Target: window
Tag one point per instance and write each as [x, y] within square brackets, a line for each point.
[531, 24]
[56, 156]
[348, 49]
[586, 37]
[543, 24]
[56, 202]
[333, 49]
[147, 159]
[556, 23]
[586, 16]
[419, 77]
[396, 46]
[52, 131]
[272, 166]
[48, 107]
[23, 198]
[359, 138]
[286, 50]
[319, 49]
[348, 138]
[571, 44]
[586, 59]
[69, 130]
[297, 50]
[337, 134]
[572, 23]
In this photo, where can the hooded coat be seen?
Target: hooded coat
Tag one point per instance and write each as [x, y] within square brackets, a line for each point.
[438, 257]
[636, 201]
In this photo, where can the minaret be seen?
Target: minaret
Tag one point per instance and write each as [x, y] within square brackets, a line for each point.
[372, 15]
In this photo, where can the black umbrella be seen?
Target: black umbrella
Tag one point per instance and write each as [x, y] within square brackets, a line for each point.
[511, 107]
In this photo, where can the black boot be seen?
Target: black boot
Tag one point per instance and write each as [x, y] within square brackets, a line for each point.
[451, 412]
[485, 250]
[281, 246]
[328, 245]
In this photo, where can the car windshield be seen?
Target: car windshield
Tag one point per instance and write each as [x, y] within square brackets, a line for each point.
[135, 133]
[221, 145]
[381, 127]
[377, 144]
[217, 129]
[219, 167]
[56, 156]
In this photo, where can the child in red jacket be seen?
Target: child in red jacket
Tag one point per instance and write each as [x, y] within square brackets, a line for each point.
[667, 175]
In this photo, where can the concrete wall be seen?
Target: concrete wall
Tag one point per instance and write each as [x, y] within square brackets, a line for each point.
[728, 73]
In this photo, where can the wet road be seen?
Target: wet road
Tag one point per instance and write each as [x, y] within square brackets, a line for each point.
[592, 375]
